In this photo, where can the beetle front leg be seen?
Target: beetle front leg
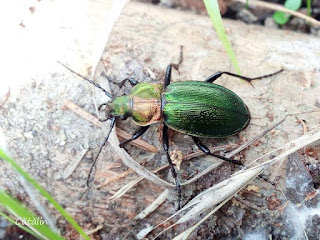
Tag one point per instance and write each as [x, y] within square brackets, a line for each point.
[112, 123]
[165, 141]
[216, 75]
[206, 150]
[140, 131]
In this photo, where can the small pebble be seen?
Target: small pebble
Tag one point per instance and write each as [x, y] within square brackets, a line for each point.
[56, 176]
[22, 120]
[28, 135]
[247, 16]
[270, 23]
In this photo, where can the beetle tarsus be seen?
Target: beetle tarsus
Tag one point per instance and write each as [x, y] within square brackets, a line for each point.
[140, 131]
[206, 150]
[216, 75]
[132, 81]
[165, 142]
[177, 65]
[103, 120]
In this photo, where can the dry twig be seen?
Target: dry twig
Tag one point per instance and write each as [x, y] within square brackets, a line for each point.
[278, 7]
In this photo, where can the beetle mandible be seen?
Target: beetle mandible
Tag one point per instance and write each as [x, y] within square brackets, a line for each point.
[195, 108]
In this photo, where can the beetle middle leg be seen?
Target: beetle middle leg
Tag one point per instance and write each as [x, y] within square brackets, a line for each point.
[216, 75]
[206, 150]
[167, 78]
[165, 142]
[176, 65]
[140, 131]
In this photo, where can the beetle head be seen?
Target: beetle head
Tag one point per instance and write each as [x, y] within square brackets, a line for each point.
[118, 107]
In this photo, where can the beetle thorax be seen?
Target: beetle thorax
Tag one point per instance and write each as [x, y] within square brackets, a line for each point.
[143, 104]
[146, 104]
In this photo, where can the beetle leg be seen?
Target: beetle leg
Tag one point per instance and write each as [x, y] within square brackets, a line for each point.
[100, 107]
[167, 78]
[165, 142]
[112, 123]
[176, 65]
[132, 81]
[138, 133]
[206, 150]
[103, 120]
[216, 75]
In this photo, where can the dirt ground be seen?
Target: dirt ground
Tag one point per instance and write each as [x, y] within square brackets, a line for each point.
[44, 136]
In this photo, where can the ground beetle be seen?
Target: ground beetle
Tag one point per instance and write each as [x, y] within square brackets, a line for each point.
[198, 109]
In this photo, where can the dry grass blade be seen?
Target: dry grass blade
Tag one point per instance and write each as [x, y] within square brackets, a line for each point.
[120, 133]
[218, 193]
[126, 188]
[144, 232]
[116, 178]
[88, 232]
[129, 185]
[278, 7]
[74, 163]
[153, 206]
[186, 234]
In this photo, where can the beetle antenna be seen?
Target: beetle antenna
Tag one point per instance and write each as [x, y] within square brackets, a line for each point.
[113, 120]
[90, 81]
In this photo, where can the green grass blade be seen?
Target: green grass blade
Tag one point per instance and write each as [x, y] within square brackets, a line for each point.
[28, 230]
[20, 212]
[44, 193]
[309, 8]
[214, 13]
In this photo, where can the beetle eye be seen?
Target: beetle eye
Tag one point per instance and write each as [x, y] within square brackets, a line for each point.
[123, 117]
[108, 111]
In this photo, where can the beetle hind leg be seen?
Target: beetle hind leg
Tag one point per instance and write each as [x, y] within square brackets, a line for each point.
[206, 150]
[216, 75]
[165, 141]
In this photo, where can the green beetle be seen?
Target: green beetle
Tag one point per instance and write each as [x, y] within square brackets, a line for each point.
[198, 109]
